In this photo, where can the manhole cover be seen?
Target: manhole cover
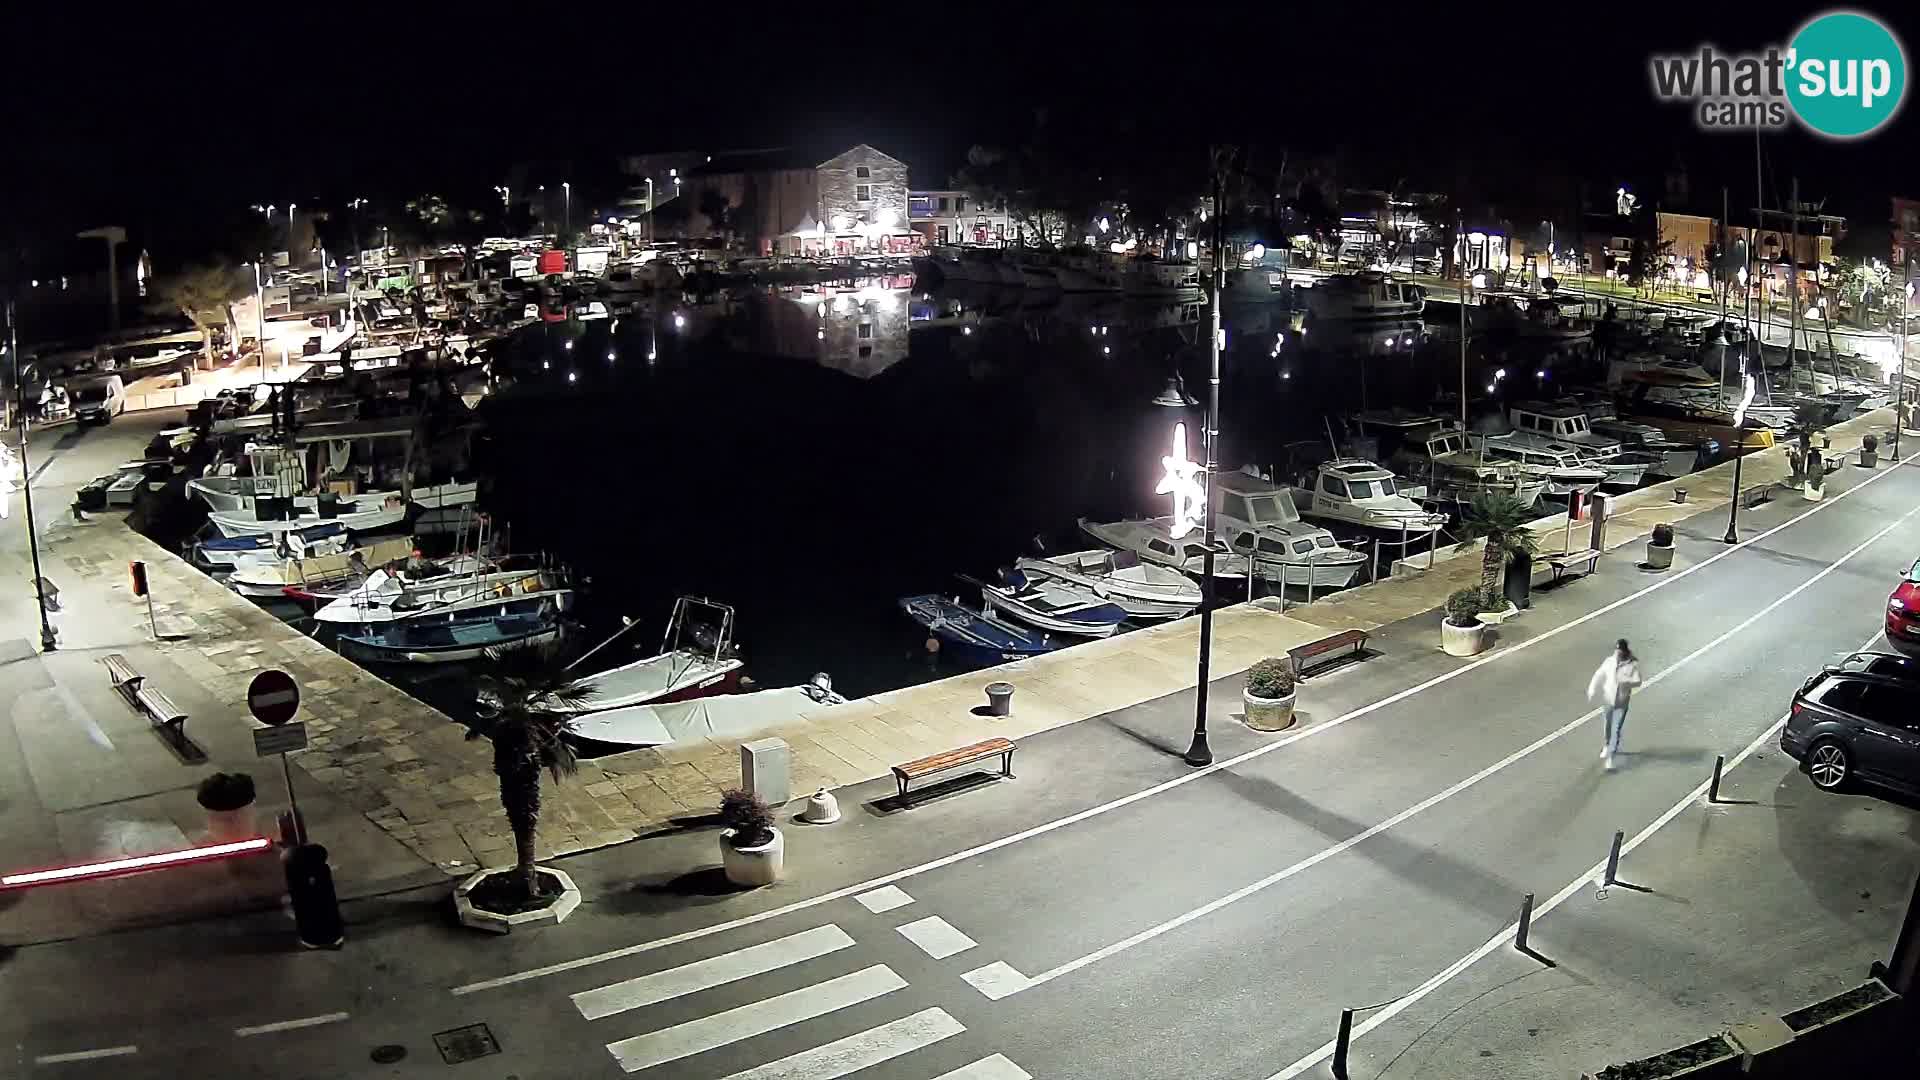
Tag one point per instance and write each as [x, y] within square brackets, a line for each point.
[465, 1043]
[388, 1054]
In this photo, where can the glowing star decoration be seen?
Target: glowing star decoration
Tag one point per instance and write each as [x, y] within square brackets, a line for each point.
[1182, 481]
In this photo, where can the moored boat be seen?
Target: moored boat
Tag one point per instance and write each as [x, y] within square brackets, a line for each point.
[1144, 590]
[976, 635]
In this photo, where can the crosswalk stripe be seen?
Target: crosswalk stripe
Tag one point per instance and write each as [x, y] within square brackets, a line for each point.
[936, 936]
[713, 971]
[856, 1052]
[996, 1067]
[885, 898]
[719, 1029]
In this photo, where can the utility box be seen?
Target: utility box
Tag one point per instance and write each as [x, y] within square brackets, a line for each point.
[766, 770]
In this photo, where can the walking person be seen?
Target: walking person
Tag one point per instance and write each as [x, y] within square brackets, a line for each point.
[1612, 685]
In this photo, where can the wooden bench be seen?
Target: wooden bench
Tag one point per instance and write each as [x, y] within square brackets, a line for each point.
[125, 679]
[966, 755]
[1564, 562]
[160, 709]
[1757, 494]
[1304, 656]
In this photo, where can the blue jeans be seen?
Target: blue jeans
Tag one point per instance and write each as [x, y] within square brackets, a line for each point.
[1616, 718]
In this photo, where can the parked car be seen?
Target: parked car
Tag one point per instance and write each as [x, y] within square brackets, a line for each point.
[1903, 612]
[1858, 719]
[98, 398]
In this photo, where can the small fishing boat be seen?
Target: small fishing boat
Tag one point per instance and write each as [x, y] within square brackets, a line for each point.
[1354, 491]
[976, 635]
[730, 716]
[697, 659]
[1145, 591]
[1562, 467]
[392, 594]
[466, 634]
[218, 554]
[1260, 523]
[332, 563]
[1052, 605]
[1368, 294]
[1152, 539]
[1676, 459]
[359, 513]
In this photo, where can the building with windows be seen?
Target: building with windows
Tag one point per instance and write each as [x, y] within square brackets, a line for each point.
[1906, 233]
[954, 217]
[793, 202]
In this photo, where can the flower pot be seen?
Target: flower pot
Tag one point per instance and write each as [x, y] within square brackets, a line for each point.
[1268, 713]
[753, 866]
[1659, 556]
[1869, 458]
[228, 825]
[1813, 492]
[1462, 640]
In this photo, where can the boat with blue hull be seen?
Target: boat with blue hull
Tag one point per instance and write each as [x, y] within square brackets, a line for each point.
[973, 634]
[219, 553]
[1059, 607]
[469, 635]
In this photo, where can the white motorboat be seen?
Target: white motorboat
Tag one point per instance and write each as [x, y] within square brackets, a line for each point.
[1144, 590]
[298, 569]
[1546, 318]
[1433, 452]
[1557, 426]
[1152, 539]
[697, 659]
[1052, 605]
[361, 513]
[1368, 294]
[729, 716]
[1655, 369]
[392, 594]
[1676, 459]
[1148, 276]
[1562, 467]
[1355, 491]
[1260, 521]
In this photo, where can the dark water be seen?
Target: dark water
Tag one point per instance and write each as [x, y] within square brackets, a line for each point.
[810, 456]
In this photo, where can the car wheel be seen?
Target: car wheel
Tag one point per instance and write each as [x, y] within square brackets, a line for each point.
[1829, 765]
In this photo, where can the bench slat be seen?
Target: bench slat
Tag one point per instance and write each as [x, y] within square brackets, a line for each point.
[949, 759]
[160, 707]
[1327, 644]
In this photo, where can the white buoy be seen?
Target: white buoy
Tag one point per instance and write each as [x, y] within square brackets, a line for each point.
[822, 808]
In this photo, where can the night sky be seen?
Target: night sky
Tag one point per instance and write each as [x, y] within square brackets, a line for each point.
[163, 126]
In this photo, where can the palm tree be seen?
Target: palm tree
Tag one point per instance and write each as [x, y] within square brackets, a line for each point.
[515, 696]
[1502, 520]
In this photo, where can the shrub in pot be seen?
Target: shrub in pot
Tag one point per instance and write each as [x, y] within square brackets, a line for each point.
[1660, 547]
[1816, 480]
[1268, 695]
[1461, 632]
[752, 850]
[228, 801]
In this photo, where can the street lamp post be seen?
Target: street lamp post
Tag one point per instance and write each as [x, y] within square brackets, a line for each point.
[1739, 437]
[1900, 390]
[649, 211]
[1199, 753]
[47, 643]
[566, 189]
[260, 318]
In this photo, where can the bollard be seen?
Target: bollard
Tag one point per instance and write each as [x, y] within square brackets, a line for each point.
[1340, 1042]
[1613, 860]
[1713, 788]
[1526, 923]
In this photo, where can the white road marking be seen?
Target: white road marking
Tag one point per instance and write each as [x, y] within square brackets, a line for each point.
[1164, 786]
[713, 971]
[996, 1067]
[856, 1052]
[86, 1055]
[1505, 936]
[997, 980]
[936, 937]
[291, 1025]
[770, 1014]
[884, 899]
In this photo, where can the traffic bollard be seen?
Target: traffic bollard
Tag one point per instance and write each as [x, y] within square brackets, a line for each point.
[1613, 860]
[1340, 1042]
[1713, 788]
[1526, 923]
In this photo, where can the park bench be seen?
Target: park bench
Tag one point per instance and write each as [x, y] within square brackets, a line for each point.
[1319, 653]
[1564, 562]
[160, 709]
[125, 679]
[1757, 494]
[952, 759]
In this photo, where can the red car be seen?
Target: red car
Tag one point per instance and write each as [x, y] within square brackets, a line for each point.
[1903, 613]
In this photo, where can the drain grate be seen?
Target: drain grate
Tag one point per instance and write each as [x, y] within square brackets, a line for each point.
[463, 1044]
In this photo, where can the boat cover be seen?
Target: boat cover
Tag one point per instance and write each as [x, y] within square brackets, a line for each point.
[722, 716]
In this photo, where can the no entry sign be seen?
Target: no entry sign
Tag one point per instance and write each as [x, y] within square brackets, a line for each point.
[273, 697]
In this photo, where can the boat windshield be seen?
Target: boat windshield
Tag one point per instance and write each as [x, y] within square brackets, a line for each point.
[1369, 489]
[1273, 509]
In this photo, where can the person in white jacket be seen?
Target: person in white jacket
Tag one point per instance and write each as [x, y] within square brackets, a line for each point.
[1612, 685]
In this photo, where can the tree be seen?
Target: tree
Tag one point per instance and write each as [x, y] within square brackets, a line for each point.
[1502, 521]
[515, 695]
[201, 293]
[717, 209]
[1645, 261]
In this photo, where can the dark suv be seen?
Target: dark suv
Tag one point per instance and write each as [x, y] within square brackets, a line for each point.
[1861, 718]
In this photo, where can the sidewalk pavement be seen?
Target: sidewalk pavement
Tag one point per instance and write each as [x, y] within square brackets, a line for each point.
[1776, 899]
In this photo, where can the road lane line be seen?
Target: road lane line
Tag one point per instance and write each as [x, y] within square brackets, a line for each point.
[1430, 801]
[1157, 789]
[1505, 936]
[996, 1067]
[291, 1025]
[758, 1018]
[711, 972]
[86, 1055]
[936, 937]
[855, 1052]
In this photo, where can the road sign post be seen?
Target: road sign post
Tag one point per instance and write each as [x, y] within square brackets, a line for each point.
[273, 698]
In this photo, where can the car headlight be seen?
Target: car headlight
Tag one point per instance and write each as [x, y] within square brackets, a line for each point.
[1897, 604]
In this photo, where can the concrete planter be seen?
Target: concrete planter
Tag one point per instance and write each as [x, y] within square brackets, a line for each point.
[224, 826]
[1268, 714]
[555, 910]
[1462, 640]
[753, 866]
[1869, 459]
[1710, 1058]
[1659, 556]
[1813, 492]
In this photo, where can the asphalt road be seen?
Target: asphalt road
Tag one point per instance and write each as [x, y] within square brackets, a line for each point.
[1111, 914]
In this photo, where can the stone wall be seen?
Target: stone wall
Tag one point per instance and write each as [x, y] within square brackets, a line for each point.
[840, 183]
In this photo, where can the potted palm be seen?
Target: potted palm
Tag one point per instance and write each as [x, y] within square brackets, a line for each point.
[1660, 547]
[751, 848]
[525, 709]
[1502, 521]
[1461, 632]
[1269, 695]
[228, 801]
[1869, 450]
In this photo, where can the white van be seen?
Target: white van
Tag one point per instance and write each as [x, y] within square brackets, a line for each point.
[97, 398]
